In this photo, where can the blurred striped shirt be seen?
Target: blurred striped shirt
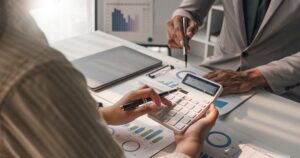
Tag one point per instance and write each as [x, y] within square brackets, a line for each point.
[45, 107]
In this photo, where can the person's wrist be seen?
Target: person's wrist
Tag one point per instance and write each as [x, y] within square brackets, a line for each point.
[107, 115]
[256, 78]
[189, 146]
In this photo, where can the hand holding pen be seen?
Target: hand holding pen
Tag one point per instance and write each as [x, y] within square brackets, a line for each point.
[134, 104]
[115, 115]
[175, 31]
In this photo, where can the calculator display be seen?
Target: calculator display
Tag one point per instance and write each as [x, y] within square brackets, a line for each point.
[201, 85]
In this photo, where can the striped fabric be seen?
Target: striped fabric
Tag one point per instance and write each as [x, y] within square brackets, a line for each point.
[45, 107]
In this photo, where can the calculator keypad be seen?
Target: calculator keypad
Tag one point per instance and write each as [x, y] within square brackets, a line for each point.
[182, 111]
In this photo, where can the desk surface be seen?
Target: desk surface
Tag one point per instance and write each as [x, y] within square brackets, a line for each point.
[266, 117]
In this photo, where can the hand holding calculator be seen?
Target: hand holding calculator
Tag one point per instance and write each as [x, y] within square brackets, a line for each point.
[190, 102]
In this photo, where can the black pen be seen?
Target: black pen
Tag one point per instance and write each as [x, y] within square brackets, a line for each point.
[136, 103]
[184, 27]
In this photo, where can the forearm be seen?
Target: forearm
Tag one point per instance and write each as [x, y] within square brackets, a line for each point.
[282, 75]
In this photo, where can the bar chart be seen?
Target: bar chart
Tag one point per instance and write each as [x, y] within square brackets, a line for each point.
[129, 19]
[138, 139]
[120, 23]
[150, 135]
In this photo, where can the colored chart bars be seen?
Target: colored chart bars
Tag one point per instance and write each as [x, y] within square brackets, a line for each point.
[120, 23]
[150, 135]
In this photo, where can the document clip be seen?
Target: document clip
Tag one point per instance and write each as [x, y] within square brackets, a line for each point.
[160, 71]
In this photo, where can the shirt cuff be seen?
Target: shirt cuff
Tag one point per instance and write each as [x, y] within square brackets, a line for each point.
[277, 86]
[187, 14]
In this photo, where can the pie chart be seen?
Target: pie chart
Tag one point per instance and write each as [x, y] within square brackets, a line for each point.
[131, 146]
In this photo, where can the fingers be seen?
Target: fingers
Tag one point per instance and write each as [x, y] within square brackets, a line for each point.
[222, 73]
[172, 35]
[211, 109]
[213, 114]
[141, 110]
[204, 124]
[178, 31]
[175, 32]
[166, 101]
[145, 93]
[144, 109]
[172, 43]
[163, 100]
[192, 28]
[210, 75]
[143, 87]
[201, 127]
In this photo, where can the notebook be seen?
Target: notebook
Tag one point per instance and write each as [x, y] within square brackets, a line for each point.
[114, 65]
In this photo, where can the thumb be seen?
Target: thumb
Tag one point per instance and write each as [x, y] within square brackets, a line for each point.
[143, 109]
[208, 121]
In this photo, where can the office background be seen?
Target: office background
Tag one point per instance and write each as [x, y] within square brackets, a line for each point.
[62, 19]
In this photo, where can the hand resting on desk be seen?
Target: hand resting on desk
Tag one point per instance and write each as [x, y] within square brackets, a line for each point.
[234, 82]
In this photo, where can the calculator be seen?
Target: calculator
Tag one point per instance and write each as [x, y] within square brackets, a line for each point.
[190, 102]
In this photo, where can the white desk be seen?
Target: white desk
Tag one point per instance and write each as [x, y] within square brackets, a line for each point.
[267, 118]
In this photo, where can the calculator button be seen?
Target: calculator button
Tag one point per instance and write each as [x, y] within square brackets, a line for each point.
[159, 112]
[195, 102]
[172, 113]
[170, 97]
[190, 106]
[185, 120]
[188, 98]
[206, 101]
[178, 108]
[184, 111]
[191, 114]
[180, 126]
[175, 119]
[197, 109]
[179, 94]
[166, 118]
[176, 100]
[183, 103]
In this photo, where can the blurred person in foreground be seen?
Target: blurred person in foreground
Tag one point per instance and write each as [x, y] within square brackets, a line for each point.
[46, 109]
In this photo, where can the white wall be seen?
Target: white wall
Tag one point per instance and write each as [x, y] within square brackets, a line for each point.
[63, 19]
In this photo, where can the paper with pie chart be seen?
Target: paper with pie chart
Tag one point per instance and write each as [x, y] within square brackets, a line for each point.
[223, 142]
[171, 79]
[138, 139]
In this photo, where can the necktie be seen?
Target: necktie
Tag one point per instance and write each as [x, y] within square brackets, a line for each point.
[254, 13]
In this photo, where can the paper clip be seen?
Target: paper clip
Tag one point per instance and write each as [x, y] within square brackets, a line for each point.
[160, 71]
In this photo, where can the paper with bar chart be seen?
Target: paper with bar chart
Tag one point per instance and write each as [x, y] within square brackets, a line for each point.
[138, 139]
[129, 19]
